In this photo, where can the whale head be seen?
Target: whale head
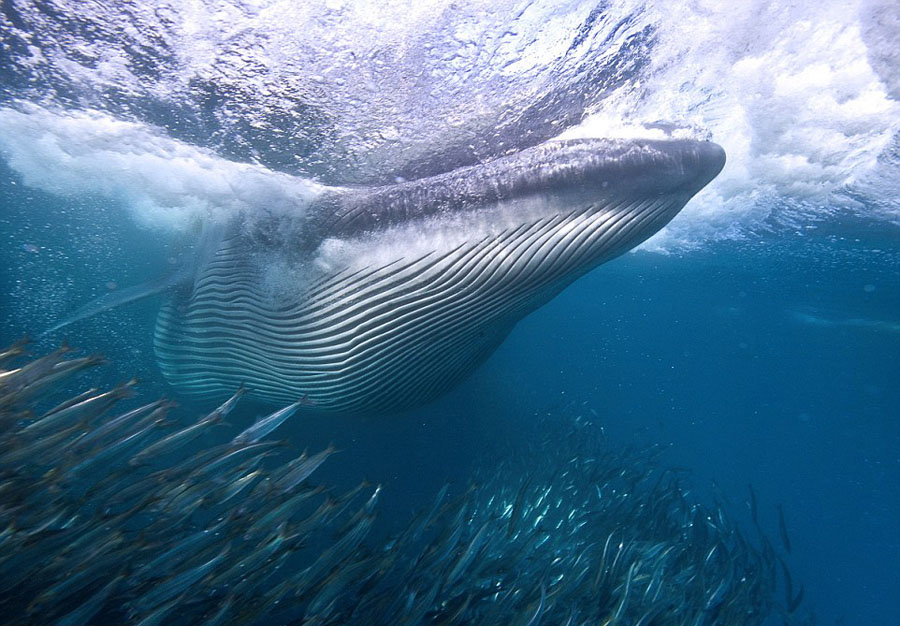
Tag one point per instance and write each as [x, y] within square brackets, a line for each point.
[382, 298]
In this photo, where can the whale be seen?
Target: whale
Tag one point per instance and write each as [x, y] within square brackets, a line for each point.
[380, 299]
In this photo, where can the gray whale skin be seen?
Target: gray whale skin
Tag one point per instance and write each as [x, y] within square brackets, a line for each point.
[380, 299]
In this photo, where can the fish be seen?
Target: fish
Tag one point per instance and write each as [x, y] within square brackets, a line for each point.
[286, 510]
[379, 299]
[187, 434]
[753, 510]
[39, 369]
[296, 472]
[209, 535]
[29, 381]
[176, 584]
[795, 602]
[91, 606]
[18, 348]
[128, 440]
[782, 529]
[88, 407]
[265, 425]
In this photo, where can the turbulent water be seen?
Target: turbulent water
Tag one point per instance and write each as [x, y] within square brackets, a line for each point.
[756, 336]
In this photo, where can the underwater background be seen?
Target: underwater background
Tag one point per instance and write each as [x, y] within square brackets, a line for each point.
[757, 338]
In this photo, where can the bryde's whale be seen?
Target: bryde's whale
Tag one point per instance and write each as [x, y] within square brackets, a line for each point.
[379, 299]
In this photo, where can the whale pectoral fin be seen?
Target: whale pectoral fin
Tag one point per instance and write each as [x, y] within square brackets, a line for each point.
[115, 299]
[210, 240]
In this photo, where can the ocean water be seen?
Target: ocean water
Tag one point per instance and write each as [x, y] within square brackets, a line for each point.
[756, 338]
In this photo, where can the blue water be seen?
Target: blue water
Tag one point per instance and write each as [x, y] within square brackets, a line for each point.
[770, 362]
[758, 339]
[702, 352]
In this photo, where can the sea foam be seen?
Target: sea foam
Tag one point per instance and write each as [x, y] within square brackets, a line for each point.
[165, 183]
[790, 92]
[803, 97]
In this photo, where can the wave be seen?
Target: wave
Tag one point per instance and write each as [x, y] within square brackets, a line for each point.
[166, 183]
[186, 111]
[809, 122]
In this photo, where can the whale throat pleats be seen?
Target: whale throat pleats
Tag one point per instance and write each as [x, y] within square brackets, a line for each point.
[393, 303]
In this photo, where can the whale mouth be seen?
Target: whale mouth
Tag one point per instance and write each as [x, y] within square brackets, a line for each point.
[564, 174]
[383, 298]
[616, 193]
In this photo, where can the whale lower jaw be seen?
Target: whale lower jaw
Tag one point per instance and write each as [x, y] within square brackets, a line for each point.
[379, 321]
[381, 338]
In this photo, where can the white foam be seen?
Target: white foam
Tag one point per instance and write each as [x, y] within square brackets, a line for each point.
[165, 183]
[803, 96]
[788, 91]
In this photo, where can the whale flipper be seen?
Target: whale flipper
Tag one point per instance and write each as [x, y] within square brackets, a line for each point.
[209, 241]
[115, 299]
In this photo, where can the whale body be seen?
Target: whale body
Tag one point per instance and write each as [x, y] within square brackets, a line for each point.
[380, 299]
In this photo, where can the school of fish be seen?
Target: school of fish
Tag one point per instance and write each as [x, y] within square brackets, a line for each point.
[118, 516]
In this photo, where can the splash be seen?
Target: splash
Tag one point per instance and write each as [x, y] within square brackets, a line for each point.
[790, 93]
[165, 183]
[197, 110]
